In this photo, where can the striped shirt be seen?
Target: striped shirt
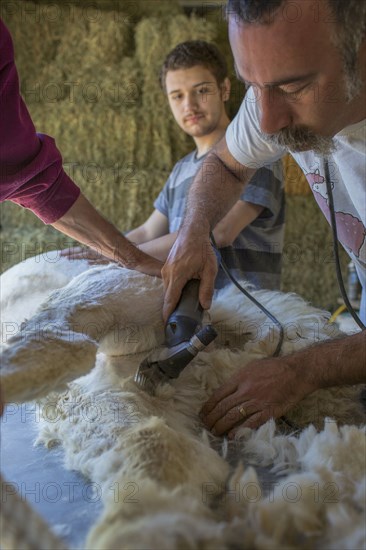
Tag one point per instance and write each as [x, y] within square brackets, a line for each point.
[256, 253]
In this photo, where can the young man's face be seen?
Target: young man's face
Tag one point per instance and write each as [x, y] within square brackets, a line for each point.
[196, 100]
[297, 73]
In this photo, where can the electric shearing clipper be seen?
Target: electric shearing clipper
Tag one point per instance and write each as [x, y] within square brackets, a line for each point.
[185, 336]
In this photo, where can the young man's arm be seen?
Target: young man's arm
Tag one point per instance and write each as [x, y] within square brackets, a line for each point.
[153, 237]
[159, 248]
[155, 226]
[263, 196]
[239, 216]
[225, 232]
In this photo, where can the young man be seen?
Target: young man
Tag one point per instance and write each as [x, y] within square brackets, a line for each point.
[306, 73]
[250, 236]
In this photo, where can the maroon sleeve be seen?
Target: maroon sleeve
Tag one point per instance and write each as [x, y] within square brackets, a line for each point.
[31, 172]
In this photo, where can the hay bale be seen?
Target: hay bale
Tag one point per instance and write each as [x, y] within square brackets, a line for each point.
[308, 261]
[124, 194]
[36, 33]
[295, 180]
[157, 8]
[118, 86]
[134, 9]
[96, 37]
[182, 28]
[89, 133]
[154, 146]
[74, 45]
[19, 243]
[151, 50]
[12, 215]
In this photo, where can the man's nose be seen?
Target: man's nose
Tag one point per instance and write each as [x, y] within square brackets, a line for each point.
[275, 111]
[190, 102]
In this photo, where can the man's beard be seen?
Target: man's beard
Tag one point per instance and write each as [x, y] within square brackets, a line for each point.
[299, 139]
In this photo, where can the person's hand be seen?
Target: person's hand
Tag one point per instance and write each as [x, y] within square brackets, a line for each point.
[83, 253]
[264, 389]
[141, 262]
[191, 257]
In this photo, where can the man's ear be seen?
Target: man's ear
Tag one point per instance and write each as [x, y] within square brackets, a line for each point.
[225, 89]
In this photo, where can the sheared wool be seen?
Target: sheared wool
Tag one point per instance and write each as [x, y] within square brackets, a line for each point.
[173, 482]
[321, 505]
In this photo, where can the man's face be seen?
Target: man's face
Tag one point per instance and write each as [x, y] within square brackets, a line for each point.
[196, 101]
[297, 74]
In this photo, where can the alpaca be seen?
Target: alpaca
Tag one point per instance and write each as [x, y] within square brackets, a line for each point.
[165, 481]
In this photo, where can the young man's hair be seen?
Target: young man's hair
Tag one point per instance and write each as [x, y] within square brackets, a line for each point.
[191, 53]
[350, 31]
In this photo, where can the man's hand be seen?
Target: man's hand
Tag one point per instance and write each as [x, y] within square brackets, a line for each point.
[147, 264]
[191, 257]
[82, 253]
[268, 388]
[264, 389]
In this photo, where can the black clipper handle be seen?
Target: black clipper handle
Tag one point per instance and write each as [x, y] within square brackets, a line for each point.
[186, 319]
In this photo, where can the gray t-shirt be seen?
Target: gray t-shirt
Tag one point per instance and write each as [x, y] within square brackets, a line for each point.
[257, 251]
[347, 168]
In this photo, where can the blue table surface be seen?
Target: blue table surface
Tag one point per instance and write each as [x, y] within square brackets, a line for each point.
[67, 501]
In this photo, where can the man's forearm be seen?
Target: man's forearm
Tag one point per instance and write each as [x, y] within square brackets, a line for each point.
[333, 363]
[83, 223]
[216, 188]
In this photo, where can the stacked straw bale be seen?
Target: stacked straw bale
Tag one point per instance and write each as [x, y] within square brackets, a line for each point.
[308, 259]
[89, 75]
[295, 180]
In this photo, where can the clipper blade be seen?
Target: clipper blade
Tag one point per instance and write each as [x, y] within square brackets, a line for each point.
[148, 376]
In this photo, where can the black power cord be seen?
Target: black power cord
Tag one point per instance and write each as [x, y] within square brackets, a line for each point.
[333, 224]
[252, 299]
